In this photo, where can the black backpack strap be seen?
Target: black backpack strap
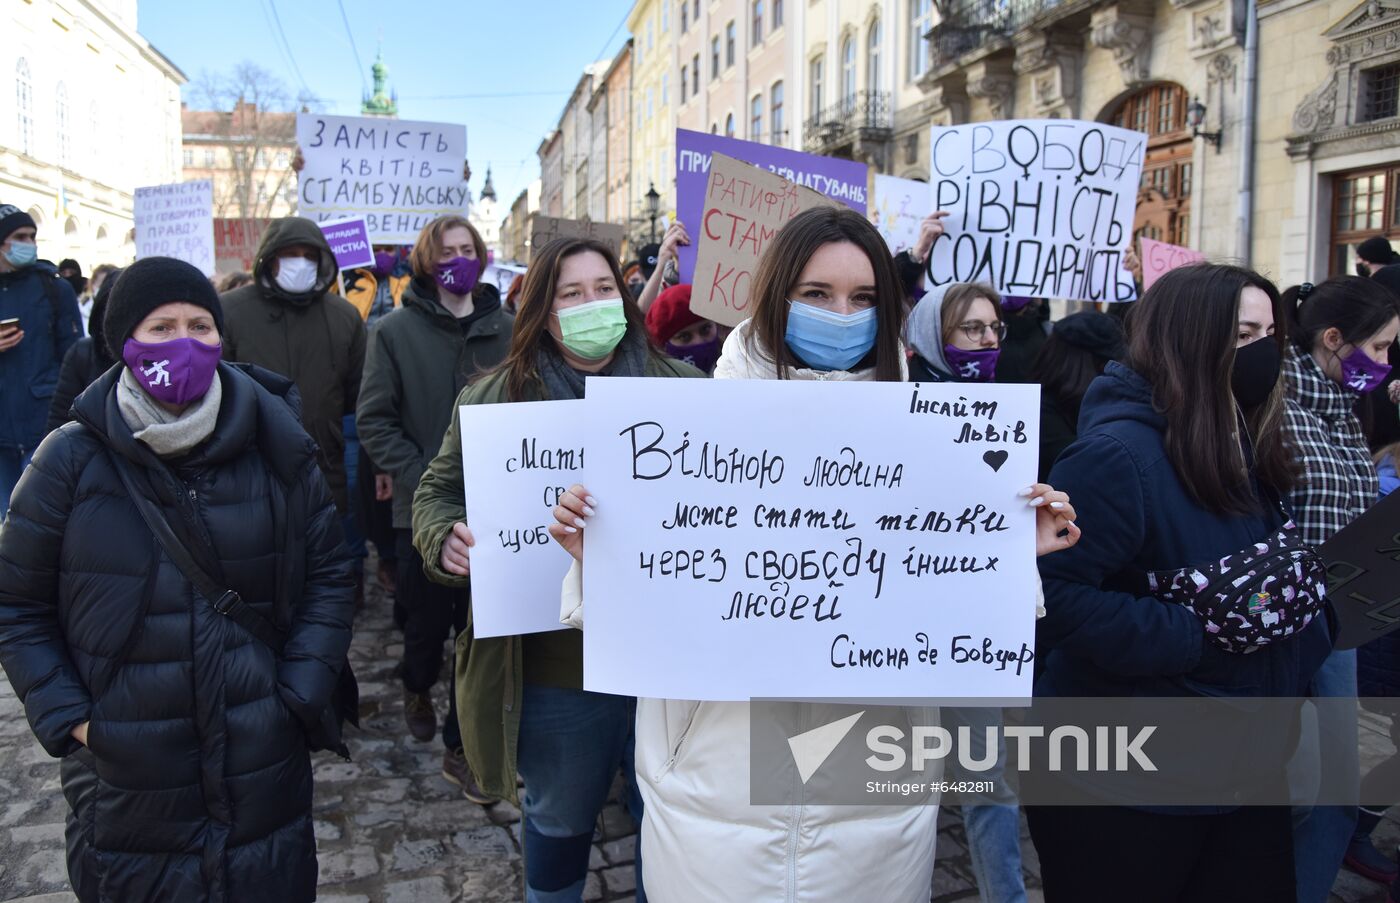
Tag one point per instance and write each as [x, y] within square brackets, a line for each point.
[223, 600]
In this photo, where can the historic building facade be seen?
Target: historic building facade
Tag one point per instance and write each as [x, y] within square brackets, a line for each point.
[91, 114]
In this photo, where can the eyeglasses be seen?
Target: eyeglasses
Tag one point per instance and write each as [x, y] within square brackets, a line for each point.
[975, 329]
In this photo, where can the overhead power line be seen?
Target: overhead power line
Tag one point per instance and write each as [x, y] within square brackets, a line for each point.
[359, 67]
[482, 96]
[291, 57]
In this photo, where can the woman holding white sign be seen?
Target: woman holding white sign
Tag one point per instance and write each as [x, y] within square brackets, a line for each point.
[520, 699]
[828, 307]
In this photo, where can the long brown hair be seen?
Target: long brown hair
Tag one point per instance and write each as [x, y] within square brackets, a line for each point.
[536, 304]
[1181, 339]
[428, 248]
[781, 265]
[959, 299]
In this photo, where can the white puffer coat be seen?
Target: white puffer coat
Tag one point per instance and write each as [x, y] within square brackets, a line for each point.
[702, 840]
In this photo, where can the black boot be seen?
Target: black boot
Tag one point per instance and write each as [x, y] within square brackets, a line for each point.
[1362, 856]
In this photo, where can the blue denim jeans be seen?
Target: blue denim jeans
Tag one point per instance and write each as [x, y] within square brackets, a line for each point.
[1321, 833]
[572, 743]
[354, 541]
[994, 840]
[13, 461]
[993, 829]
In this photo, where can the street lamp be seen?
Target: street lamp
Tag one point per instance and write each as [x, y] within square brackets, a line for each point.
[653, 208]
[1196, 117]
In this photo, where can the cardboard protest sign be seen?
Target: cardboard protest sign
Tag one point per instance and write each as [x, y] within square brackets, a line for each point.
[349, 241]
[236, 243]
[842, 180]
[548, 228]
[1037, 207]
[744, 548]
[1363, 574]
[398, 175]
[1158, 257]
[900, 206]
[744, 208]
[517, 459]
[176, 221]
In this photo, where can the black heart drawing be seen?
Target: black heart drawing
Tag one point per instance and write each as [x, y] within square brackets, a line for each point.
[995, 459]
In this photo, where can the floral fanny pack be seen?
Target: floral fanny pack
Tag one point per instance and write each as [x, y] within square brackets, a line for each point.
[1260, 595]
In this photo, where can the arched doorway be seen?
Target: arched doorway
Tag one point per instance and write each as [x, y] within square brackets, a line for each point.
[1164, 197]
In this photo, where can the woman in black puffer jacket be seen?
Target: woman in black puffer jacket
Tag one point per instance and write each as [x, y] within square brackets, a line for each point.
[88, 359]
[185, 763]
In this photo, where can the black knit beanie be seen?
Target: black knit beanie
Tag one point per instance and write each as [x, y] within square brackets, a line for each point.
[1092, 331]
[1377, 250]
[12, 218]
[146, 285]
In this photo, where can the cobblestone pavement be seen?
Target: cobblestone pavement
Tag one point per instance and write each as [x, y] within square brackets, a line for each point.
[390, 830]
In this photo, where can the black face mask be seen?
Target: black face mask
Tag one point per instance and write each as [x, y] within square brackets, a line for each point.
[1362, 269]
[1255, 372]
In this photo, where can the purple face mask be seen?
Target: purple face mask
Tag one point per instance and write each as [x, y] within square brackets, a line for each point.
[1013, 303]
[175, 372]
[1362, 375]
[458, 275]
[702, 356]
[972, 366]
[383, 263]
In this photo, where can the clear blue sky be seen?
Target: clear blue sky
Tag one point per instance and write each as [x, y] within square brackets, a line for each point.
[432, 47]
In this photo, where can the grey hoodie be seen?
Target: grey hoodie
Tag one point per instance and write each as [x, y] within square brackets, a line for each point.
[925, 330]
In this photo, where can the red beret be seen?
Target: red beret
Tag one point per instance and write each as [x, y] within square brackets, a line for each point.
[670, 313]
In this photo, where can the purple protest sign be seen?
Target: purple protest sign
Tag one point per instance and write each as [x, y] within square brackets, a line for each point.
[349, 241]
[841, 180]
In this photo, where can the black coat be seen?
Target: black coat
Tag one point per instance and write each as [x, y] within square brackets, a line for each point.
[196, 782]
[82, 365]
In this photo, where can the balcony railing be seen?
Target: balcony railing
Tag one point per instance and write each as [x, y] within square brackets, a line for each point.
[863, 114]
[970, 24]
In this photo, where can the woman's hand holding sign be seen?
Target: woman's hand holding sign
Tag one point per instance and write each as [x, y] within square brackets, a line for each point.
[574, 506]
[457, 551]
[1055, 529]
[929, 230]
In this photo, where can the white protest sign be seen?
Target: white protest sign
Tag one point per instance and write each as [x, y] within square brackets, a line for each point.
[398, 175]
[176, 221]
[809, 539]
[1037, 207]
[517, 459]
[900, 206]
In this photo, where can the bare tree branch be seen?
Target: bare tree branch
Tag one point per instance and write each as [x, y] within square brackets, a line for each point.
[251, 116]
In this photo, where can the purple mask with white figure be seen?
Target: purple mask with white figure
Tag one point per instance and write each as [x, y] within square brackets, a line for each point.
[1362, 375]
[972, 366]
[458, 275]
[175, 372]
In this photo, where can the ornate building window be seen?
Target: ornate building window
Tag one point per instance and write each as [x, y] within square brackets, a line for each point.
[1365, 203]
[1164, 197]
[24, 106]
[1380, 93]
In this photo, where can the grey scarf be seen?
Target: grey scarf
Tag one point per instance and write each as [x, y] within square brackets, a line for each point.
[167, 434]
[564, 382]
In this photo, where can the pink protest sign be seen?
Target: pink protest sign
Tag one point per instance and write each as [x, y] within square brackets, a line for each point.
[1158, 257]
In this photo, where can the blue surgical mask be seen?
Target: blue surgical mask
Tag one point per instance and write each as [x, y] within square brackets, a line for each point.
[22, 253]
[830, 341]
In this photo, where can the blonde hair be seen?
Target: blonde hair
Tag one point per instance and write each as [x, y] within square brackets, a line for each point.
[958, 299]
[428, 248]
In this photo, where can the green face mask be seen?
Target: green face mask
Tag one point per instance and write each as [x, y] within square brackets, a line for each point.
[593, 330]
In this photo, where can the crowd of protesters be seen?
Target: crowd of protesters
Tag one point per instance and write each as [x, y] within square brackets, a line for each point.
[175, 458]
